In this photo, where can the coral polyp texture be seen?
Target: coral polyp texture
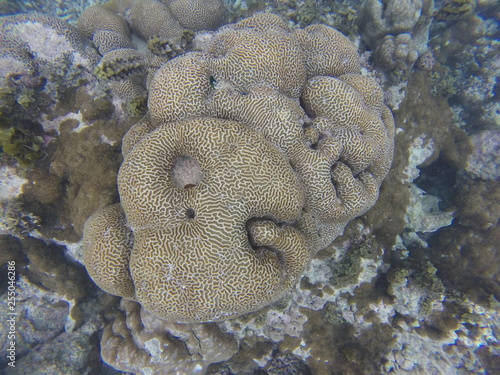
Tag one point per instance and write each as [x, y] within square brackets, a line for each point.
[254, 156]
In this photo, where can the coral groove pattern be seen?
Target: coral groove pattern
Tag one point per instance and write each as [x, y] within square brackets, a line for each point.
[254, 155]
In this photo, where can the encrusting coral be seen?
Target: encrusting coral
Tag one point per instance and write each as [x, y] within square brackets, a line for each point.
[231, 184]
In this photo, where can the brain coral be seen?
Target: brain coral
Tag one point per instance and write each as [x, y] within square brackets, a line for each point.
[103, 262]
[257, 52]
[155, 23]
[210, 171]
[170, 101]
[15, 58]
[96, 17]
[197, 14]
[327, 51]
[242, 171]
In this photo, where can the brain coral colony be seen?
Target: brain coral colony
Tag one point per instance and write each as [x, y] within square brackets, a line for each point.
[229, 186]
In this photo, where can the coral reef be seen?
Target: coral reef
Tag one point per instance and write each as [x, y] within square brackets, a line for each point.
[59, 38]
[14, 218]
[21, 143]
[51, 314]
[412, 285]
[47, 78]
[266, 241]
[465, 71]
[68, 11]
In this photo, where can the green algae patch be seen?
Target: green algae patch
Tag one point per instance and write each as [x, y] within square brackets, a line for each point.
[21, 144]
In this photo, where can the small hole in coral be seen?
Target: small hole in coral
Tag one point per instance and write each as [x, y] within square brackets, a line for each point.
[189, 186]
[213, 82]
[190, 213]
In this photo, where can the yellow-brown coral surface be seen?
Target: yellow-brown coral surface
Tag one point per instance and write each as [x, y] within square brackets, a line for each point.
[253, 157]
